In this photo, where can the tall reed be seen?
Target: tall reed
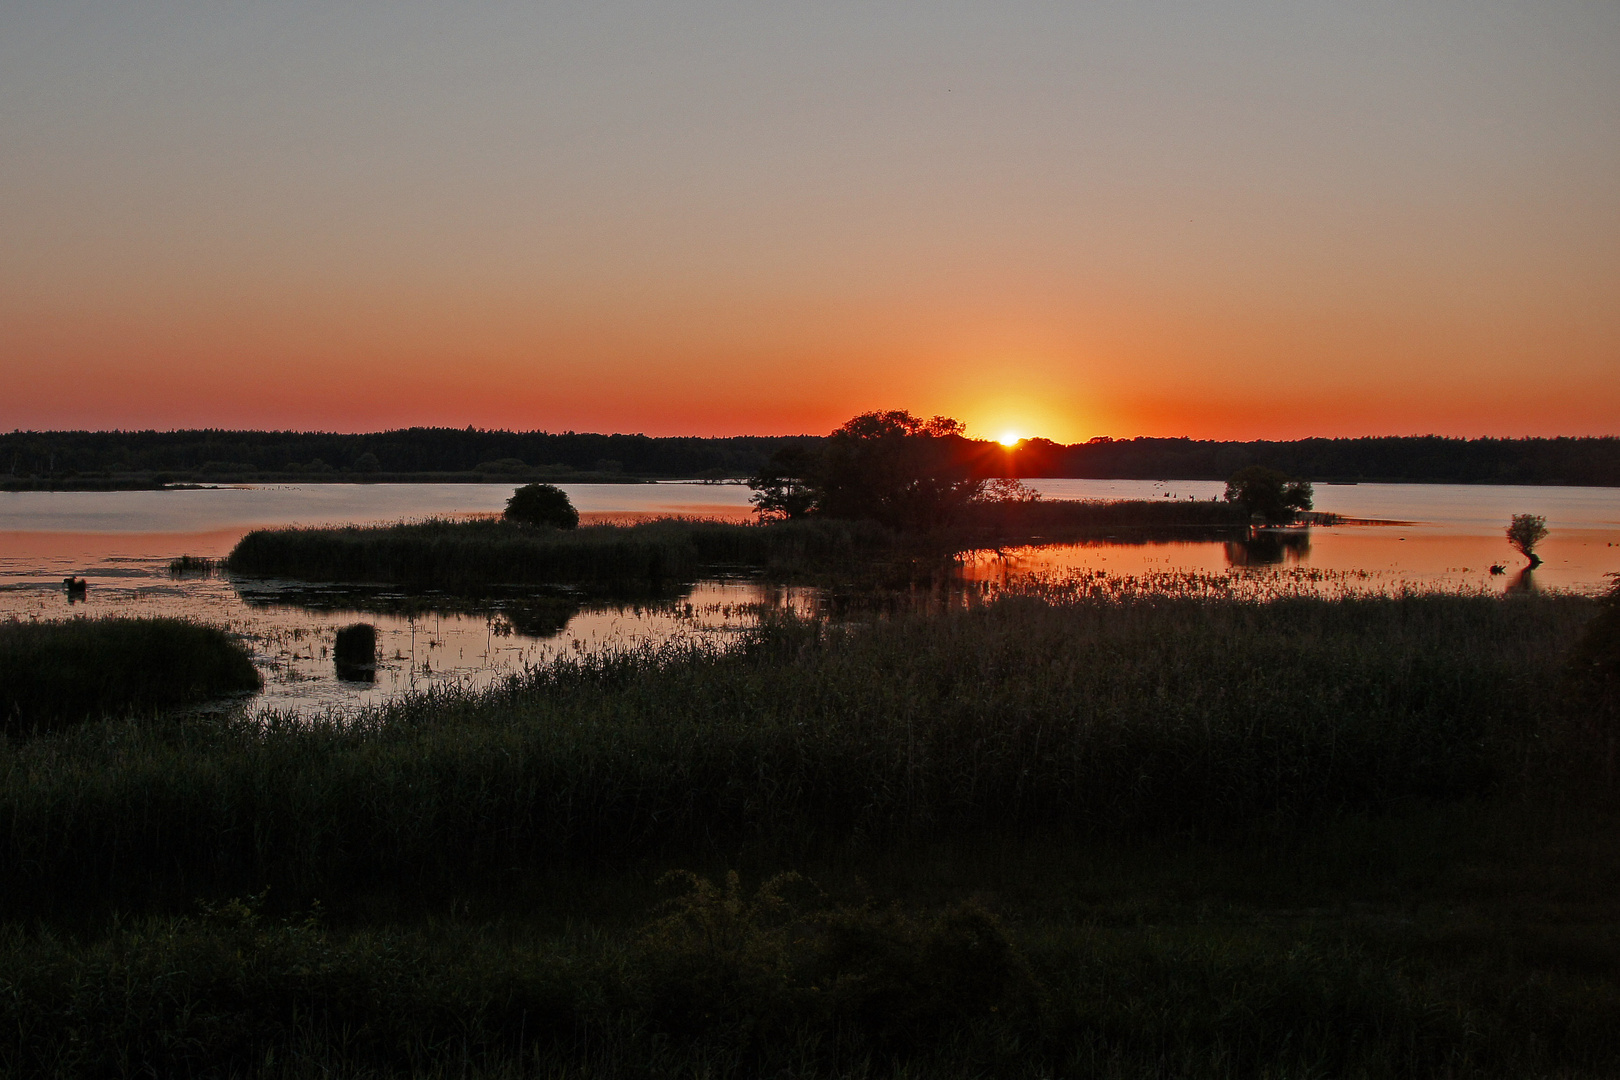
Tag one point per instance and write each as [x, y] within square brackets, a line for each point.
[1019, 716]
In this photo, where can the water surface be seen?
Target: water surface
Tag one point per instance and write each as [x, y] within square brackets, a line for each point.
[1436, 536]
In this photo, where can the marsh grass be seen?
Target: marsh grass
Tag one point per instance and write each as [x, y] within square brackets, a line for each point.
[461, 554]
[483, 552]
[1023, 715]
[1082, 830]
[778, 977]
[54, 674]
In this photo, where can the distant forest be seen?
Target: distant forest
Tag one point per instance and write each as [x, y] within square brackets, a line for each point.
[82, 458]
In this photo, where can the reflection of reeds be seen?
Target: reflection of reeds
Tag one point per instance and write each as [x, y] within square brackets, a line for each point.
[53, 674]
[192, 565]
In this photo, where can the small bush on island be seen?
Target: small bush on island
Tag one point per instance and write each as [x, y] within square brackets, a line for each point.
[54, 674]
[542, 504]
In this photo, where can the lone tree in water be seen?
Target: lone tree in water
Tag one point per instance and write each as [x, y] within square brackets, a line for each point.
[1524, 532]
[541, 504]
[1270, 494]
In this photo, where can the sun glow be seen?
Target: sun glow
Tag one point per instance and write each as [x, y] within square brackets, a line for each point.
[1010, 439]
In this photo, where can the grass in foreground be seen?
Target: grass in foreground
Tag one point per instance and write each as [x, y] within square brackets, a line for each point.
[1432, 944]
[59, 673]
[1067, 716]
[1067, 835]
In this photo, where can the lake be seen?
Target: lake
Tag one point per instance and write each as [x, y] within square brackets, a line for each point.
[1432, 536]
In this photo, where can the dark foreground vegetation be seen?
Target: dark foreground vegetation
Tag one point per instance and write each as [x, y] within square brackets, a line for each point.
[144, 458]
[1075, 832]
[59, 673]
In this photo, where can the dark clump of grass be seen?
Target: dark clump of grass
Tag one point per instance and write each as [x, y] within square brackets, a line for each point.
[355, 644]
[464, 554]
[54, 674]
[1024, 715]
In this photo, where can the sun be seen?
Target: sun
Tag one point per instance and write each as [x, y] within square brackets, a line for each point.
[1010, 439]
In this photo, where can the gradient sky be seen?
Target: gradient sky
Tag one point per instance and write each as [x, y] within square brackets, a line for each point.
[1217, 219]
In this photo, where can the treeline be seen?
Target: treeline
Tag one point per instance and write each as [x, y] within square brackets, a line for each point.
[27, 456]
[1594, 461]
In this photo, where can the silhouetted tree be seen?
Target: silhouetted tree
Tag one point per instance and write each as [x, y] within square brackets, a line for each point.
[1269, 493]
[897, 469]
[1524, 532]
[542, 504]
[783, 487]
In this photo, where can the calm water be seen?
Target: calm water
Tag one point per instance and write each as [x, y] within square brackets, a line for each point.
[1435, 536]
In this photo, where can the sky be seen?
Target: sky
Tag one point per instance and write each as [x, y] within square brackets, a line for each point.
[1236, 219]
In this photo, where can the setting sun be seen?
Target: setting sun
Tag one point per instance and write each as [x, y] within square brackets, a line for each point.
[1010, 439]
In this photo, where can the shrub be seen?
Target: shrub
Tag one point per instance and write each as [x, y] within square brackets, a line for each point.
[542, 504]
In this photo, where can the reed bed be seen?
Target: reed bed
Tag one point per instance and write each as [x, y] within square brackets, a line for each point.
[482, 552]
[730, 981]
[1020, 715]
[54, 674]
[1297, 837]
[460, 554]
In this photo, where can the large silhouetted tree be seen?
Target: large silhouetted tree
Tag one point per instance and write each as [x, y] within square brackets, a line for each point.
[1268, 493]
[890, 467]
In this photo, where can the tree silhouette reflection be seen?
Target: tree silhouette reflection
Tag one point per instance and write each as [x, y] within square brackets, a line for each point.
[1269, 547]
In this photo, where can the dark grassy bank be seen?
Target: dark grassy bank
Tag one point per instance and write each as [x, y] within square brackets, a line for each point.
[59, 673]
[469, 554]
[1083, 834]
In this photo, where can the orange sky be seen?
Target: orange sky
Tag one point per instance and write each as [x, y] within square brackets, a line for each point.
[1234, 220]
